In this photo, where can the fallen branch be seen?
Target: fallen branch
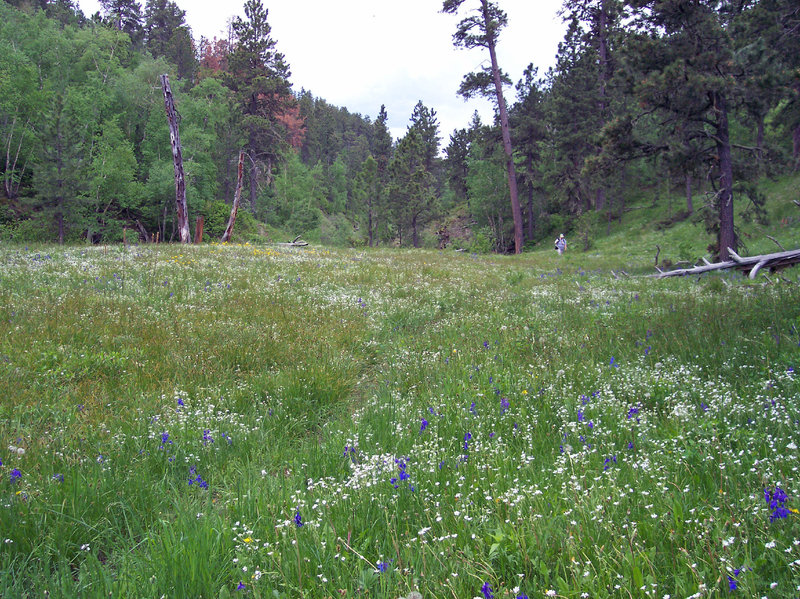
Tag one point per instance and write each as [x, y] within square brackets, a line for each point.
[296, 242]
[750, 264]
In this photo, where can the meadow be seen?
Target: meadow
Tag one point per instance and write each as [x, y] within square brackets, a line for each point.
[254, 421]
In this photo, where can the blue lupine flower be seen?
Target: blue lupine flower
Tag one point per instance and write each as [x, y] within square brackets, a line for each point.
[15, 475]
[240, 587]
[487, 591]
[776, 500]
[703, 406]
[180, 402]
[613, 363]
[580, 416]
[58, 478]
[523, 596]
[732, 584]
[632, 412]
[383, 566]
[467, 438]
[472, 408]
[393, 481]
[165, 439]
[504, 405]
[297, 519]
[423, 426]
[207, 438]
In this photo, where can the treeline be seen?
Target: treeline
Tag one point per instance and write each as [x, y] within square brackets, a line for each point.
[696, 95]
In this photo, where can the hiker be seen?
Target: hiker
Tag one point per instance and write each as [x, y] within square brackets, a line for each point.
[561, 244]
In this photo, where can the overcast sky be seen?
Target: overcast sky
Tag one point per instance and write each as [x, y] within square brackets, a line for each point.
[359, 54]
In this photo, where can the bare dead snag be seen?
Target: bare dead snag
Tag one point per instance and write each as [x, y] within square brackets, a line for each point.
[177, 158]
[198, 229]
[237, 197]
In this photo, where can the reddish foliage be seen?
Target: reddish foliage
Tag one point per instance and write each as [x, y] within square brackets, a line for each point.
[213, 56]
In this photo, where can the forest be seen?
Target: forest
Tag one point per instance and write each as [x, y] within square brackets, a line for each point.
[645, 99]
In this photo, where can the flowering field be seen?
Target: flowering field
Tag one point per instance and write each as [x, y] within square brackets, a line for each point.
[236, 421]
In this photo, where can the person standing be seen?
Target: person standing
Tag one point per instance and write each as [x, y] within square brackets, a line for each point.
[561, 244]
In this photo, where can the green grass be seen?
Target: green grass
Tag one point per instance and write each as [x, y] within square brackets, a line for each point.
[631, 242]
[437, 421]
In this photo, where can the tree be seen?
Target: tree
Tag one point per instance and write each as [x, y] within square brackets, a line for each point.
[411, 189]
[259, 78]
[528, 122]
[126, 16]
[601, 19]
[367, 192]
[482, 29]
[166, 34]
[684, 57]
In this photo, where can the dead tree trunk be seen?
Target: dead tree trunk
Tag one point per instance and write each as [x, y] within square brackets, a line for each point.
[198, 229]
[180, 181]
[237, 197]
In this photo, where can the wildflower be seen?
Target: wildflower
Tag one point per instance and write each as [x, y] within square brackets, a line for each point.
[15, 475]
[472, 409]
[423, 426]
[613, 363]
[467, 438]
[504, 405]
[180, 402]
[487, 591]
[240, 586]
[732, 584]
[382, 566]
[207, 438]
[165, 439]
[58, 478]
[776, 500]
[298, 520]
[632, 412]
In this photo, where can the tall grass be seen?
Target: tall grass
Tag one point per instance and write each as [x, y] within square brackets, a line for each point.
[242, 421]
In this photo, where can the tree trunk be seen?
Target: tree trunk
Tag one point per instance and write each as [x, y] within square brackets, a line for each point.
[727, 235]
[253, 186]
[177, 157]
[369, 222]
[530, 197]
[237, 198]
[516, 210]
[689, 204]
[414, 232]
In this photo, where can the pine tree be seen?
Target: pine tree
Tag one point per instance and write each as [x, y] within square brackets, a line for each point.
[125, 15]
[259, 77]
[685, 58]
[481, 30]
[166, 34]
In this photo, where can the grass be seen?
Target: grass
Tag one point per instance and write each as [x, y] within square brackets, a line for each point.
[242, 421]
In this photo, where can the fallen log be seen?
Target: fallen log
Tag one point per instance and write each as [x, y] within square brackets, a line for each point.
[296, 242]
[750, 264]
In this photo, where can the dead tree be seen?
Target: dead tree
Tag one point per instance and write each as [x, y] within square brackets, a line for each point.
[177, 157]
[237, 197]
[749, 264]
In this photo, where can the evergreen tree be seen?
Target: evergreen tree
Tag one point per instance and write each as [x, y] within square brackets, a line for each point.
[367, 190]
[685, 60]
[528, 123]
[166, 34]
[126, 16]
[411, 189]
[259, 77]
[481, 30]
